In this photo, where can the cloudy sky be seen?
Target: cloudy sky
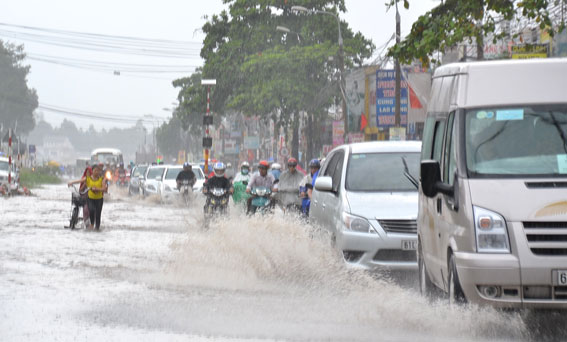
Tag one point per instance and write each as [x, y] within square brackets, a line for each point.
[111, 73]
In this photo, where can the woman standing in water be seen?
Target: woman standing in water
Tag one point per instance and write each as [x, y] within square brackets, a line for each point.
[97, 187]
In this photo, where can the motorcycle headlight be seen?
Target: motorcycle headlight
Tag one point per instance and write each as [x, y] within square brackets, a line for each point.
[491, 232]
[356, 223]
[213, 201]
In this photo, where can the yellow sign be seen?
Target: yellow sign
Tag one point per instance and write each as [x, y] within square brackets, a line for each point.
[526, 51]
[181, 157]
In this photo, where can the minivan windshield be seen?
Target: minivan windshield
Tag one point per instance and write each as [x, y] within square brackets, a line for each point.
[381, 171]
[517, 141]
[155, 172]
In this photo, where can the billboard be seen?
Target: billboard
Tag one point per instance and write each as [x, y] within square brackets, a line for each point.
[386, 99]
[338, 133]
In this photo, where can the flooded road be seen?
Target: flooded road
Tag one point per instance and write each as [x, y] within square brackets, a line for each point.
[153, 273]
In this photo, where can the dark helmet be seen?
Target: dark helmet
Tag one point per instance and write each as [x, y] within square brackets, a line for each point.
[186, 164]
[315, 163]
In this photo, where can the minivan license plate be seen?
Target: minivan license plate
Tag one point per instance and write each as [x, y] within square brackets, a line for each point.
[562, 277]
[409, 245]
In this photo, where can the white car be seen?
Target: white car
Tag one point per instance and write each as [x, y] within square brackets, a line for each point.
[367, 200]
[4, 172]
[169, 185]
[154, 176]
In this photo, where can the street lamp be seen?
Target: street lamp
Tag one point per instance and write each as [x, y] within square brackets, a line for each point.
[341, 60]
[287, 30]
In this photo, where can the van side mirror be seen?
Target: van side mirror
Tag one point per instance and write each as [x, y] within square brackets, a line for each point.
[431, 183]
[324, 183]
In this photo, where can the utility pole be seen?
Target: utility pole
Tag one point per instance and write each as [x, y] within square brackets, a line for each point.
[207, 121]
[398, 72]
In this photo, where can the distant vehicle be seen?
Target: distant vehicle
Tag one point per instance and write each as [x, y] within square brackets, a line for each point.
[4, 172]
[137, 178]
[153, 179]
[169, 185]
[107, 155]
[492, 222]
[366, 198]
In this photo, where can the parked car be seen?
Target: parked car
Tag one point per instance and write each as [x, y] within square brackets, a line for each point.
[137, 177]
[367, 200]
[492, 222]
[169, 185]
[153, 179]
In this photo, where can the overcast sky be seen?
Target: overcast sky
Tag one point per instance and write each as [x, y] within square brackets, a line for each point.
[87, 88]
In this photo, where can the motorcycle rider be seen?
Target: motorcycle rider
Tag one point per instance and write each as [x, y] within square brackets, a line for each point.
[307, 185]
[288, 186]
[261, 178]
[240, 182]
[120, 174]
[276, 170]
[186, 174]
[218, 180]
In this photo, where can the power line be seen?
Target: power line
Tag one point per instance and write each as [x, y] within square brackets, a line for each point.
[97, 115]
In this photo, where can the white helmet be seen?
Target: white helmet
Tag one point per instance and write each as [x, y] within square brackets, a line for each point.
[244, 167]
[276, 166]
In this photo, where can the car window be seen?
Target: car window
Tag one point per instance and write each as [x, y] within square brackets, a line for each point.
[198, 172]
[381, 171]
[330, 169]
[438, 136]
[449, 163]
[172, 173]
[337, 173]
[155, 172]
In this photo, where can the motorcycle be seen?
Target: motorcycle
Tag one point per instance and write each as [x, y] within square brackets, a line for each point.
[186, 191]
[77, 203]
[216, 203]
[261, 200]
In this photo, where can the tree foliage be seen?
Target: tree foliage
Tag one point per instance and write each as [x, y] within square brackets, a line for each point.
[17, 101]
[260, 70]
[455, 21]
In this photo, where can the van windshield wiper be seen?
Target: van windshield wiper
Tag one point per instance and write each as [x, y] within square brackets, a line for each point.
[408, 174]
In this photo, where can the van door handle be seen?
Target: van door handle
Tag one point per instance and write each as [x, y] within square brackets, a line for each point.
[439, 205]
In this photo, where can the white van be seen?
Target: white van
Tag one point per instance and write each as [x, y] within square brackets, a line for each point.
[492, 222]
[367, 200]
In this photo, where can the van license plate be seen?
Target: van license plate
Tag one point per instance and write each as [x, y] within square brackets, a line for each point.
[409, 245]
[562, 277]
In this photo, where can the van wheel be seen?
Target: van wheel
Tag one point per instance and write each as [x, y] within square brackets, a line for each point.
[426, 287]
[456, 294]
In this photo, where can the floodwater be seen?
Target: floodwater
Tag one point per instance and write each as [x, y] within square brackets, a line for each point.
[153, 273]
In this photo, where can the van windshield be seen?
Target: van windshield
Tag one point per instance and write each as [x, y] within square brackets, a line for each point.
[517, 141]
[381, 171]
[172, 173]
[155, 172]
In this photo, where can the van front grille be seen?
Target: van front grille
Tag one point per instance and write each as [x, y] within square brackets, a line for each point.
[399, 226]
[547, 238]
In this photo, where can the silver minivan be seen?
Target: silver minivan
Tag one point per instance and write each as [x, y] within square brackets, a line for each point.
[492, 222]
[366, 197]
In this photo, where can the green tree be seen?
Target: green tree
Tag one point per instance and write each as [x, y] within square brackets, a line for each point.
[17, 101]
[455, 21]
[261, 71]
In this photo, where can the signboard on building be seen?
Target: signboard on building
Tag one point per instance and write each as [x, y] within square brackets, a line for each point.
[252, 143]
[397, 133]
[231, 146]
[338, 133]
[386, 99]
[526, 51]
[355, 137]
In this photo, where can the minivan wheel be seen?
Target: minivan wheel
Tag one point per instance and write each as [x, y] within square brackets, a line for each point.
[426, 287]
[456, 294]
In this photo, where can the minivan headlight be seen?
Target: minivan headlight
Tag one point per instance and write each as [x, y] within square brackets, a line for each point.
[491, 232]
[356, 223]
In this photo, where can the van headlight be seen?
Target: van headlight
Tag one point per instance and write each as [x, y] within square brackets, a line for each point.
[491, 232]
[356, 223]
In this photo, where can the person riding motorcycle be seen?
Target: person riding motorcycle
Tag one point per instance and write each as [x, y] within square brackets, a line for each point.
[120, 174]
[262, 178]
[307, 183]
[276, 170]
[240, 182]
[288, 187]
[186, 174]
[218, 180]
